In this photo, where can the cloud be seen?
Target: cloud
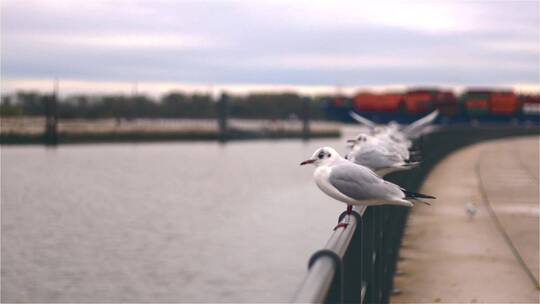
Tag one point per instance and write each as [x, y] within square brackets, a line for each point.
[114, 40]
[275, 43]
[411, 15]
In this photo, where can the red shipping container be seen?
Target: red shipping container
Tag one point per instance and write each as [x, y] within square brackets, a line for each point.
[503, 103]
[530, 104]
[419, 102]
[390, 102]
[365, 102]
[476, 104]
[446, 103]
[370, 102]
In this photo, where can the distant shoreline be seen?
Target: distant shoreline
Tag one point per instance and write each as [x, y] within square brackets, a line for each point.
[71, 138]
[31, 131]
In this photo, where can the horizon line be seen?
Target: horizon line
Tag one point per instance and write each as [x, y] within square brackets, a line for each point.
[158, 88]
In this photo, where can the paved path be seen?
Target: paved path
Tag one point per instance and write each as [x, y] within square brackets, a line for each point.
[491, 257]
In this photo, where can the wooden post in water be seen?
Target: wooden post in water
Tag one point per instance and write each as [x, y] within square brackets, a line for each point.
[51, 117]
[223, 112]
[305, 118]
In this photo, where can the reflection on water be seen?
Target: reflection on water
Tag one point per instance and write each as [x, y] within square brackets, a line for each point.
[160, 222]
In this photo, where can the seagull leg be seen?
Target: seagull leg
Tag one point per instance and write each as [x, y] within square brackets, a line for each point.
[344, 225]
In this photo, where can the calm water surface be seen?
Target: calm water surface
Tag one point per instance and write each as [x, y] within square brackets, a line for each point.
[166, 222]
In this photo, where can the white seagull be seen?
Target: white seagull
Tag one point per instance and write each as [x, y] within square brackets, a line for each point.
[471, 209]
[412, 131]
[378, 159]
[369, 140]
[354, 184]
[421, 126]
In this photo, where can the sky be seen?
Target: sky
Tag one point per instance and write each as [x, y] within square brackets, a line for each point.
[313, 47]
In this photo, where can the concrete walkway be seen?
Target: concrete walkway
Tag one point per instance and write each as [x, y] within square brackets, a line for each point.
[451, 257]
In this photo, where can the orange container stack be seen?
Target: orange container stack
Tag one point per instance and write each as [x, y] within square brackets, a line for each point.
[380, 103]
[419, 101]
[504, 103]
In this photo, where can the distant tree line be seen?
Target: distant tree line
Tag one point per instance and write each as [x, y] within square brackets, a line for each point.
[170, 105]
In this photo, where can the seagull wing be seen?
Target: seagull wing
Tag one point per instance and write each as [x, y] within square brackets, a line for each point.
[376, 158]
[415, 129]
[360, 183]
[370, 124]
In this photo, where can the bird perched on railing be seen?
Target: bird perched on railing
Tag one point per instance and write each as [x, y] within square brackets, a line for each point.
[355, 184]
[367, 140]
[410, 132]
[385, 148]
[378, 158]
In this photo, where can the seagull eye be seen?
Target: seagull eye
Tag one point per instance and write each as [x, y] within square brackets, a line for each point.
[329, 155]
[321, 155]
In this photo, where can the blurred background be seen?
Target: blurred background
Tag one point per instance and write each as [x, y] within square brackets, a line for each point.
[150, 149]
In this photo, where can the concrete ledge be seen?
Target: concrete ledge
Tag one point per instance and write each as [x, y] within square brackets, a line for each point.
[450, 256]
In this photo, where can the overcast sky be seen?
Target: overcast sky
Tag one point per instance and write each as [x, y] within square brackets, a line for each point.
[109, 45]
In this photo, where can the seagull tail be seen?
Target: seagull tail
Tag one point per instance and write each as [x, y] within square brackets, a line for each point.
[405, 166]
[417, 196]
[411, 165]
[422, 201]
[403, 202]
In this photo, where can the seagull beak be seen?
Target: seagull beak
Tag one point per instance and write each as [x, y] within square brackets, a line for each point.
[309, 161]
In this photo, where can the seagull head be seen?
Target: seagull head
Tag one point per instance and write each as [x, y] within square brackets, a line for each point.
[362, 138]
[322, 156]
[380, 130]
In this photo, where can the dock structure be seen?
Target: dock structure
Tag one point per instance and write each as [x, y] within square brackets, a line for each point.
[305, 118]
[359, 263]
[223, 117]
[51, 117]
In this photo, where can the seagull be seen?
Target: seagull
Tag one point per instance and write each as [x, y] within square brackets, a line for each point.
[379, 159]
[391, 130]
[390, 145]
[362, 120]
[471, 209]
[412, 131]
[355, 184]
[421, 126]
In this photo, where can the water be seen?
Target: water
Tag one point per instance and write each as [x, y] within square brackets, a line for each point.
[162, 222]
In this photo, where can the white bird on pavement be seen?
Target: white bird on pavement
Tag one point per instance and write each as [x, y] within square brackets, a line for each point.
[354, 184]
[471, 209]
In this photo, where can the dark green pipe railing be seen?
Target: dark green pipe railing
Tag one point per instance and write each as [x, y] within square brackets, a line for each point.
[359, 262]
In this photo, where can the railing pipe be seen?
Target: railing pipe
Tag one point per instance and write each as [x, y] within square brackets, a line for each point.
[325, 264]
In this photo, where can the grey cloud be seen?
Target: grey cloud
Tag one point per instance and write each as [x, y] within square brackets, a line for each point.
[245, 34]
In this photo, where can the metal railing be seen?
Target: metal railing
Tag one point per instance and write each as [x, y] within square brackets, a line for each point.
[325, 275]
[358, 263]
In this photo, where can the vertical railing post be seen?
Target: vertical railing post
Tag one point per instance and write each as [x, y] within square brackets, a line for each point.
[353, 267]
[51, 117]
[374, 291]
[382, 251]
[305, 118]
[223, 111]
[391, 251]
[368, 253]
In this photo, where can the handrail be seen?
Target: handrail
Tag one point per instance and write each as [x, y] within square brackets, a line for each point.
[325, 264]
[358, 263]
